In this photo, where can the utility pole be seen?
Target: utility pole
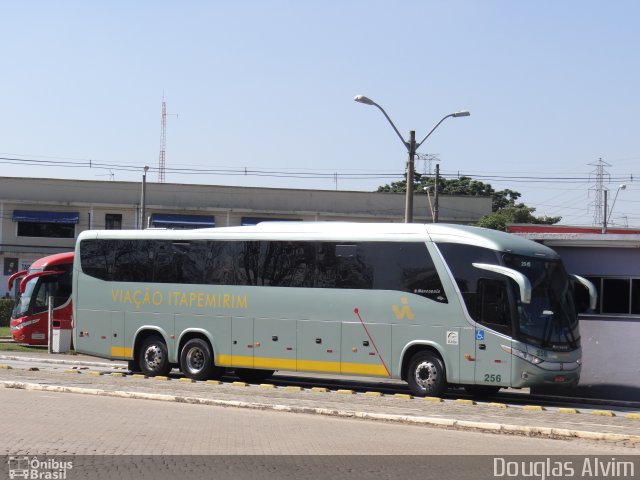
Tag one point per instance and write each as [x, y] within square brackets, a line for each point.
[408, 206]
[143, 199]
[604, 213]
[435, 194]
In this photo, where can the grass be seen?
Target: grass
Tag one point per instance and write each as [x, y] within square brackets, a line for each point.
[14, 347]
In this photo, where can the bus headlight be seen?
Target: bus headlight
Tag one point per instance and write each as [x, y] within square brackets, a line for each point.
[527, 357]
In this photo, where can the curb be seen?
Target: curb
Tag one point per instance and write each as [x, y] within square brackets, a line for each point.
[431, 421]
[55, 361]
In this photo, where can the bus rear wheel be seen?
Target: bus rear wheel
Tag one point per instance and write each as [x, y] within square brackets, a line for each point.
[426, 375]
[153, 358]
[196, 361]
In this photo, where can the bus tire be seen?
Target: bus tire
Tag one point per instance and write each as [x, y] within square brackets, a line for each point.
[252, 375]
[154, 357]
[481, 390]
[196, 360]
[133, 366]
[426, 375]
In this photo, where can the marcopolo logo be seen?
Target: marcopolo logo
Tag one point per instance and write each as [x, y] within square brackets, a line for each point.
[403, 311]
[35, 468]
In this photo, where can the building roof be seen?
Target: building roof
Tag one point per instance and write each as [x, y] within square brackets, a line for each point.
[576, 236]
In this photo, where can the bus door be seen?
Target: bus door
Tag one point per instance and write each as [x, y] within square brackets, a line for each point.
[492, 362]
[242, 345]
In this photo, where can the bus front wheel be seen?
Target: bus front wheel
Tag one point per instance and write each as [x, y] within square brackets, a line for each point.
[196, 361]
[426, 376]
[154, 357]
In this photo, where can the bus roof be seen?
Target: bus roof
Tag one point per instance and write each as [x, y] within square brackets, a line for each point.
[343, 231]
[52, 260]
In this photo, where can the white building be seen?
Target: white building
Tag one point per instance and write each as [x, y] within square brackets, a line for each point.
[41, 216]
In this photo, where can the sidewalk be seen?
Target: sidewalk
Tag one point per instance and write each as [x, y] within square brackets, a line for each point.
[457, 414]
[70, 358]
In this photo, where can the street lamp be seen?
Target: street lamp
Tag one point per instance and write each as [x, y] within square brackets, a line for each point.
[411, 145]
[607, 217]
[427, 190]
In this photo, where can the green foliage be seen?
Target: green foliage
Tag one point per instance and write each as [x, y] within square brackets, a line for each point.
[504, 207]
[514, 214]
[6, 306]
[456, 186]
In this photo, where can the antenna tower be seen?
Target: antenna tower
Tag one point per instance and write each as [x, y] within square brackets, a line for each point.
[163, 141]
[599, 188]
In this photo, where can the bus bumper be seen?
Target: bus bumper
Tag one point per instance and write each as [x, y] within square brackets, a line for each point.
[558, 374]
[29, 332]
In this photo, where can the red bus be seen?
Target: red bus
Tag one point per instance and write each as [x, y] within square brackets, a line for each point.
[48, 276]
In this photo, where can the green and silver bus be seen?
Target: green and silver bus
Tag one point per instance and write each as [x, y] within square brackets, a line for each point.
[435, 305]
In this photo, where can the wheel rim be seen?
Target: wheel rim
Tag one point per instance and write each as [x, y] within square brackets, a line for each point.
[426, 375]
[153, 357]
[195, 360]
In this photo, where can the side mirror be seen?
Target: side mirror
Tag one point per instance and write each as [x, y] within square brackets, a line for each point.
[593, 293]
[522, 281]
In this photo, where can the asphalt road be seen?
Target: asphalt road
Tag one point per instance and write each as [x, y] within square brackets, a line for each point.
[104, 434]
[65, 423]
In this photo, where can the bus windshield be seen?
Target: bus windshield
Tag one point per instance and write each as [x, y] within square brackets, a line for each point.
[22, 305]
[550, 319]
[36, 293]
[492, 299]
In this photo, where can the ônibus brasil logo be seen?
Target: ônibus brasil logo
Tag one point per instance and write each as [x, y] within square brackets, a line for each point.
[34, 468]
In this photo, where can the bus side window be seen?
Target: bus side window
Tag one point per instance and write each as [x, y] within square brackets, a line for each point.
[354, 266]
[287, 264]
[493, 304]
[218, 259]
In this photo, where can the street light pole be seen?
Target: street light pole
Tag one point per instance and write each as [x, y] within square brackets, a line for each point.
[607, 217]
[436, 199]
[411, 147]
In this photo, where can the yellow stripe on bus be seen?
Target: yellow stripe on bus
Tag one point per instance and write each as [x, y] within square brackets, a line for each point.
[125, 352]
[282, 364]
[301, 365]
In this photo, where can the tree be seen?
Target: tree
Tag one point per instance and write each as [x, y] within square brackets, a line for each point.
[456, 186]
[504, 208]
[514, 214]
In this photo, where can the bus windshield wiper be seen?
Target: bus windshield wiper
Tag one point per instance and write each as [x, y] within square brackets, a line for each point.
[548, 328]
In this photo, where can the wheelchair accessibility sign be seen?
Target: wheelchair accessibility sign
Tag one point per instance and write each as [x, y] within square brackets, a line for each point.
[479, 335]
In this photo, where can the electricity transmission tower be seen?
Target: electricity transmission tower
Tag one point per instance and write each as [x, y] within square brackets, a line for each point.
[598, 202]
[428, 159]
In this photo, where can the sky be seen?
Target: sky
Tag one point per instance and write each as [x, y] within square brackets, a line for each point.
[260, 93]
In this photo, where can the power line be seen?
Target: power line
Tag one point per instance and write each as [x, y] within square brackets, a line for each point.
[305, 173]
